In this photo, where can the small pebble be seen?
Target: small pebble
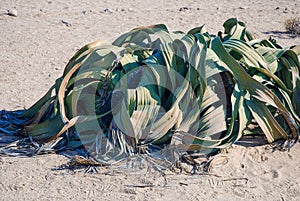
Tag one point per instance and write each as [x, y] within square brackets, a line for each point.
[12, 12]
[108, 10]
[184, 9]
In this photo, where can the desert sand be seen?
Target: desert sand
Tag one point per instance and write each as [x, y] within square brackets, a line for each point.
[37, 44]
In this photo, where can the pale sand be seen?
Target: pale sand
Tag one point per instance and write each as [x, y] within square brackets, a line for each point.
[35, 47]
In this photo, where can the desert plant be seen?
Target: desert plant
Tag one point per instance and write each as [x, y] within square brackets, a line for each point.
[293, 25]
[165, 94]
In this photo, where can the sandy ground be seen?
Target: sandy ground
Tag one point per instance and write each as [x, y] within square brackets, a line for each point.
[37, 44]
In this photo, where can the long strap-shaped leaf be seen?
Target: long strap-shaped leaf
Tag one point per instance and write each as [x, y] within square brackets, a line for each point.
[256, 90]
